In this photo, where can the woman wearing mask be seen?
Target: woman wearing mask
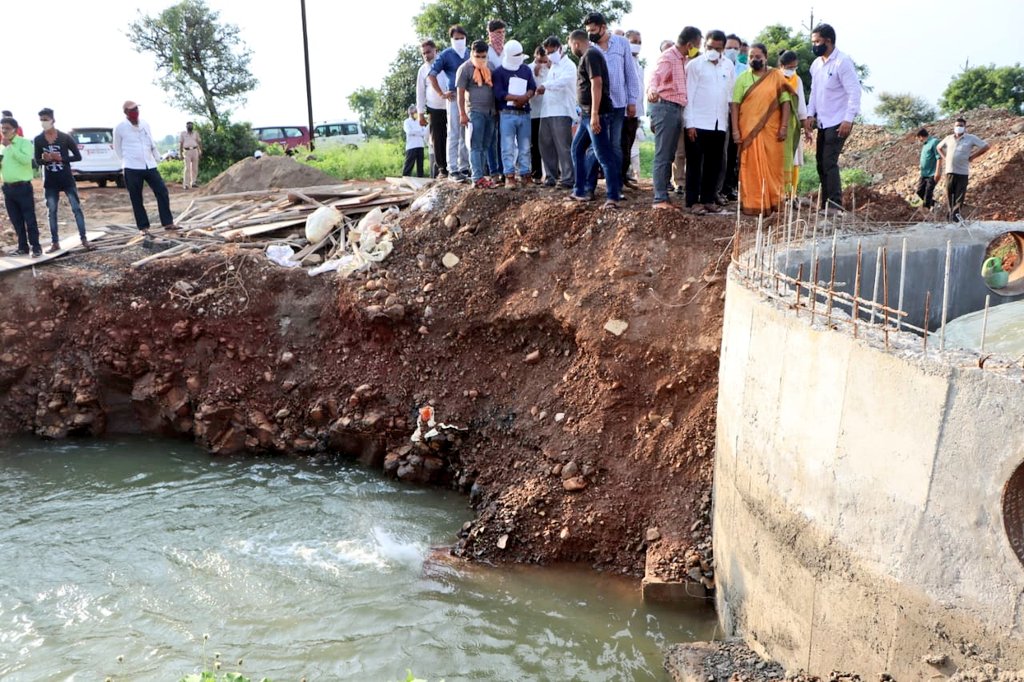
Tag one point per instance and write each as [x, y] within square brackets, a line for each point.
[788, 62]
[761, 106]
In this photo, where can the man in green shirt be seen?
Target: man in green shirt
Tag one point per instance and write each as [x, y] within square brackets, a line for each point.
[16, 171]
[929, 157]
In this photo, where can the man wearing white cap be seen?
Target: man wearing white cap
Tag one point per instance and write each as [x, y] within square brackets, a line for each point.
[134, 145]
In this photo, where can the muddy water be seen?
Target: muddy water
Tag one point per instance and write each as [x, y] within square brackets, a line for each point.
[137, 548]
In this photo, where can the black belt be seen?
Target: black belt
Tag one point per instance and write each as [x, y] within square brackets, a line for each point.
[17, 184]
[514, 111]
[188, 149]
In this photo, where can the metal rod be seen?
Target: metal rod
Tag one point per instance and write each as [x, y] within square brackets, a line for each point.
[874, 291]
[814, 289]
[856, 291]
[927, 306]
[831, 279]
[903, 272]
[945, 294]
[885, 295]
[984, 322]
[799, 278]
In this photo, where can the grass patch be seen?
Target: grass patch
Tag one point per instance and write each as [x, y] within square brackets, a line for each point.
[371, 161]
[646, 157]
[809, 180]
[172, 171]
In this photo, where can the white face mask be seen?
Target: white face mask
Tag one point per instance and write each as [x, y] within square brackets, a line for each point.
[634, 48]
[713, 55]
[732, 53]
[555, 57]
[511, 62]
[47, 125]
[788, 73]
[459, 46]
[959, 130]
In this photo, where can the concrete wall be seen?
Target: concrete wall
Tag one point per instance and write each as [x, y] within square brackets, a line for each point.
[857, 503]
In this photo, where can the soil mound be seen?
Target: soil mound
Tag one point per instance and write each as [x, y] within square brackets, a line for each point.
[997, 179]
[268, 172]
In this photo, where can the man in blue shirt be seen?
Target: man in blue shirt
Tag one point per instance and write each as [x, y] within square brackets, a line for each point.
[448, 63]
[514, 113]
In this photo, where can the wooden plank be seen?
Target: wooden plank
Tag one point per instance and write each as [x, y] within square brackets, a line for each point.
[415, 184]
[315, 191]
[254, 230]
[68, 243]
[166, 253]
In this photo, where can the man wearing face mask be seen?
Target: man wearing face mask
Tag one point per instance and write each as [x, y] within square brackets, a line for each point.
[496, 33]
[955, 155]
[190, 148]
[429, 102]
[134, 145]
[623, 85]
[445, 67]
[475, 86]
[835, 103]
[557, 116]
[632, 123]
[16, 171]
[667, 96]
[514, 85]
[541, 67]
[595, 122]
[54, 153]
[709, 84]
[732, 53]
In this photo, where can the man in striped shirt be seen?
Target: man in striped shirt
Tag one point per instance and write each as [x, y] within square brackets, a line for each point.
[667, 95]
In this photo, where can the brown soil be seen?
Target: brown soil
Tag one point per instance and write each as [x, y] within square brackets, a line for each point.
[996, 189]
[267, 172]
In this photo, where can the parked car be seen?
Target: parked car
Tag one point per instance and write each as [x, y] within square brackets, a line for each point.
[99, 163]
[334, 133]
[289, 137]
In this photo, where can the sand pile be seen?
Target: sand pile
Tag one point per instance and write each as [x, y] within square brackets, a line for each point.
[266, 173]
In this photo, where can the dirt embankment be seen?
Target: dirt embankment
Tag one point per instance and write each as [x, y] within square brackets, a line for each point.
[577, 442]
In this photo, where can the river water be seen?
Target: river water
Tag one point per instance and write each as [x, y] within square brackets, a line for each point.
[137, 548]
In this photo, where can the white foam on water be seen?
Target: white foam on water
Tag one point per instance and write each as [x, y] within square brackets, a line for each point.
[410, 554]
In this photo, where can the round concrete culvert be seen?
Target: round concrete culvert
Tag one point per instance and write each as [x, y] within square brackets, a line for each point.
[1013, 511]
[1003, 269]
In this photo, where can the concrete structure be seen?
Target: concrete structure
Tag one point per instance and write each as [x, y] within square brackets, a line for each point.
[859, 503]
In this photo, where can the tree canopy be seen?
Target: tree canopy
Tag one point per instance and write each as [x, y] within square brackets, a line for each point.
[904, 111]
[528, 21]
[996, 87]
[203, 64]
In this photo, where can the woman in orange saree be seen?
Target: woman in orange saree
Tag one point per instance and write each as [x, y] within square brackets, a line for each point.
[761, 106]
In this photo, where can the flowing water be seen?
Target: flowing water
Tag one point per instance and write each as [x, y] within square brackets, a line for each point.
[137, 548]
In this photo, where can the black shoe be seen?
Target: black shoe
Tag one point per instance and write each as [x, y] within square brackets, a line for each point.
[21, 252]
[36, 253]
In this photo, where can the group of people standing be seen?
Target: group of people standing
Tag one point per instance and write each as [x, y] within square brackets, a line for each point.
[54, 151]
[716, 106]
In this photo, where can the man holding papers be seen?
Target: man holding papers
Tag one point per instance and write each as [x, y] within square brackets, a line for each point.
[514, 85]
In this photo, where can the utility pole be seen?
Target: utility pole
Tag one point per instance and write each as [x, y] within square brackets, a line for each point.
[309, 88]
[810, 26]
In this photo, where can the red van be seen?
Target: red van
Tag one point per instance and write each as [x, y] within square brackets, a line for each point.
[288, 136]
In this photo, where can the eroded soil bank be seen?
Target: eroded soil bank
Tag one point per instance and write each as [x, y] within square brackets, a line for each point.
[578, 443]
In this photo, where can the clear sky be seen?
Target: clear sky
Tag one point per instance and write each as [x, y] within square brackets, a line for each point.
[75, 56]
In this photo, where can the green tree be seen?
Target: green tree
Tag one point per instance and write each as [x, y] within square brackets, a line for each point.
[398, 91]
[904, 111]
[778, 38]
[203, 64]
[224, 146]
[366, 103]
[996, 87]
[528, 21]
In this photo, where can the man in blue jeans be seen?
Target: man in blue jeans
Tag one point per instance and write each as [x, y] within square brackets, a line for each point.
[595, 122]
[134, 145]
[54, 152]
[622, 84]
[475, 99]
[514, 85]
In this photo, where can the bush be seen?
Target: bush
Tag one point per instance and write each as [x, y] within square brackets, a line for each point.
[371, 161]
[172, 171]
[809, 181]
[224, 147]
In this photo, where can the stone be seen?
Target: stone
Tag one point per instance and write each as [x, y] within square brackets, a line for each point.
[616, 327]
[423, 330]
[451, 221]
[653, 534]
[450, 260]
[283, 413]
[287, 358]
[570, 470]
[564, 535]
[193, 384]
[289, 386]
[532, 358]
[503, 541]
[559, 417]
[574, 485]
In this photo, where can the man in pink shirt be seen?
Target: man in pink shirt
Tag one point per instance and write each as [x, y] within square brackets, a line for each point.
[667, 95]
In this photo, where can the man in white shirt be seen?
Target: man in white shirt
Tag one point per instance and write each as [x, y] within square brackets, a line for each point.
[430, 103]
[709, 84]
[955, 155]
[557, 116]
[134, 145]
[415, 140]
[835, 103]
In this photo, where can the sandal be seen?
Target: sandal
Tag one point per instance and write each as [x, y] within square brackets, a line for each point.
[610, 205]
[697, 209]
[575, 197]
